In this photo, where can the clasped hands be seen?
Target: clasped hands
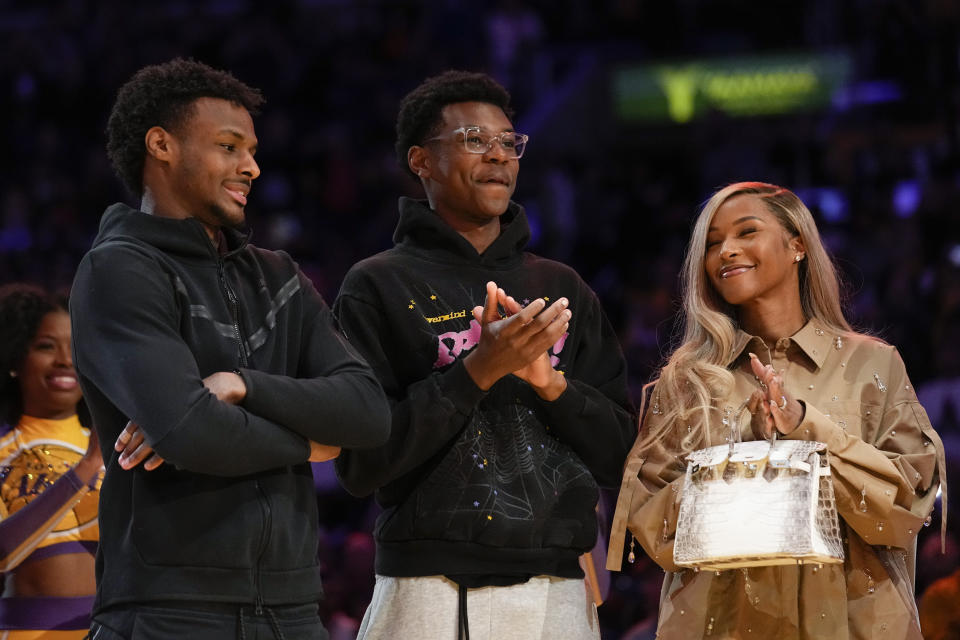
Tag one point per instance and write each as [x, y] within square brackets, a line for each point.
[517, 342]
[771, 406]
[228, 387]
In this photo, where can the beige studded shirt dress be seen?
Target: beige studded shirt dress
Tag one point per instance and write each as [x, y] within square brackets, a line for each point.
[887, 463]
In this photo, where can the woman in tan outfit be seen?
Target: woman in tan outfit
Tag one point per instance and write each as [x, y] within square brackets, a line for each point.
[764, 322]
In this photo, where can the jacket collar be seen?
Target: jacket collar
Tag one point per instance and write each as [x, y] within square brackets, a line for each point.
[813, 340]
[183, 237]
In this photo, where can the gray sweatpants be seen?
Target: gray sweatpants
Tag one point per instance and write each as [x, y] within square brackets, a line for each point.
[426, 608]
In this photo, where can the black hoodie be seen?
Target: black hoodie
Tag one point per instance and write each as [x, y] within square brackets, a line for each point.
[494, 484]
[231, 516]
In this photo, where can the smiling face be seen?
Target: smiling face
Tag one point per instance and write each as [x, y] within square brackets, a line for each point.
[48, 382]
[212, 169]
[749, 254]
[463, 187]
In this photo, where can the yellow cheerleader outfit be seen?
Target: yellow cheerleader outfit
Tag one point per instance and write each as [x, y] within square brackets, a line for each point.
[45, 510]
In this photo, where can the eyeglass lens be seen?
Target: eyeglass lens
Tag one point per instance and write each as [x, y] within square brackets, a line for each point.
[477, 142]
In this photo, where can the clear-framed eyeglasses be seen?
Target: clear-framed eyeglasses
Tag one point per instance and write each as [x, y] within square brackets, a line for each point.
[476, 141]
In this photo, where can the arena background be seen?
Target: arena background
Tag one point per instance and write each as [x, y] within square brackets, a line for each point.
[636, 111]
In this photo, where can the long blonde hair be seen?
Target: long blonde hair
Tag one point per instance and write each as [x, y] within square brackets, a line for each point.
[696, 374]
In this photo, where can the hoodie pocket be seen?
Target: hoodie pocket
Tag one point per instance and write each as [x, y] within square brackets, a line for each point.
[192, 520]
[504, 482]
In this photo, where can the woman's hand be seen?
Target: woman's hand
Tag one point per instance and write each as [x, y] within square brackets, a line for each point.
[772, 407]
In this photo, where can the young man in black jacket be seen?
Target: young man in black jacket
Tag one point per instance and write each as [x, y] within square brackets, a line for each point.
[229, 362]
[508, 389]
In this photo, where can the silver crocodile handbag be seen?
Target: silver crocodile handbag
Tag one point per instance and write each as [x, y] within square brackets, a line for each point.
[760, 503]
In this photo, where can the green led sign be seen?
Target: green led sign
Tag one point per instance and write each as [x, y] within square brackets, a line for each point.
[737, 87]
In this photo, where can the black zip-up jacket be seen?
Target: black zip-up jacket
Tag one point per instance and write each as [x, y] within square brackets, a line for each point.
[495, 486]
[232, 515]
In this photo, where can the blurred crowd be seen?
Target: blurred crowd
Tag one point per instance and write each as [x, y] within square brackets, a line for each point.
[882, 176]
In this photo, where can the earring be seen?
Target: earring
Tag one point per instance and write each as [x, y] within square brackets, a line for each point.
[13, 374]
[798, 258]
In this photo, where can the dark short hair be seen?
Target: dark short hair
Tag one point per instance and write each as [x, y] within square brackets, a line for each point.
[22, 308]
[421, 110]
[163, 95]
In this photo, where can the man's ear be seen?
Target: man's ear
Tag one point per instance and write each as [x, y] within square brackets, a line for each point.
[160, 144]
[418, 159]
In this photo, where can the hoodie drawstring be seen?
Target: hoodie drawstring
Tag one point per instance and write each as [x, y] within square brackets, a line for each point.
[463, 631]
[274, 625]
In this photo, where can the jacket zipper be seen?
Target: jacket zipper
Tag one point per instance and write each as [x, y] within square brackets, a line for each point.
[264, 539]
[264, 503]
[234, 312]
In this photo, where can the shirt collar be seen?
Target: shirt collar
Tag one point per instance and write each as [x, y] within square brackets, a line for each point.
[812, 339]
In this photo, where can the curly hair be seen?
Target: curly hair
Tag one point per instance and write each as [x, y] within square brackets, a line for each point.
[421, 110]
[162, 95]
[22, 308]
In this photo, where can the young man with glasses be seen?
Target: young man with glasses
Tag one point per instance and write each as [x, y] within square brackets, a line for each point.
[507, 385]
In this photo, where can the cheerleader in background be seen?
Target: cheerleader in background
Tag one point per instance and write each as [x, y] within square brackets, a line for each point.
[50, 470]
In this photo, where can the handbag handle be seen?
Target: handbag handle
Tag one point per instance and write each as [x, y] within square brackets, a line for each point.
[734, 437]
